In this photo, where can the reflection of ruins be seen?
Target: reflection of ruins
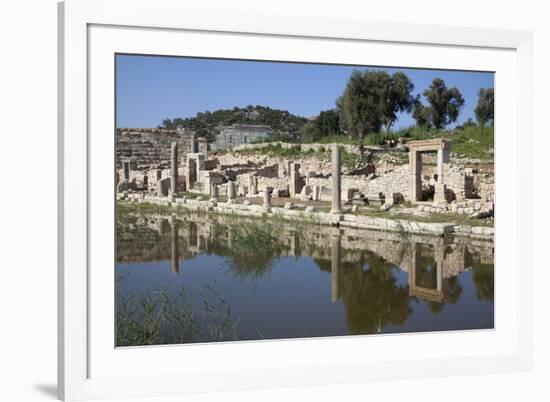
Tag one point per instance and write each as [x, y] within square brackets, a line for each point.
[360, 262]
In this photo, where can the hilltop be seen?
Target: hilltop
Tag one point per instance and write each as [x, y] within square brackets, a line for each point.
[207, 124]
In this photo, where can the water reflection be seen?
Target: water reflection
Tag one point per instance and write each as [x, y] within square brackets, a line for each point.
[273, 275]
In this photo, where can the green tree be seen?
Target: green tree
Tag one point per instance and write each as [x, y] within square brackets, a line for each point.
[421, 114]
[373, 99]
[309, 132]
[485, 109]
[362, 103]
[444, 105]
[398, 98]
[328, 122]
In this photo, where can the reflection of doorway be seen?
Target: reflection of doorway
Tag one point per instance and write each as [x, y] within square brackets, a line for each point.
[426, 273]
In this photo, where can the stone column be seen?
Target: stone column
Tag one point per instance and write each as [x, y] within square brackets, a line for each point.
[415, 166]
[294, 176]
[336, 188]
[194, 148]
[231, 193]
[317, 192]
[126, 170]
[252, 185]
[214, 193]
[267, 198]
[335, 267]
[174, 169]
[440, 165]
[203, 147]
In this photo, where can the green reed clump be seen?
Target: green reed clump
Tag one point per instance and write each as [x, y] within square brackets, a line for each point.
[254, 249]
[158, 317]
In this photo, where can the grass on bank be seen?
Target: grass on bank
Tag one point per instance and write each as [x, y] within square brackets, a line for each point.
[471, 141]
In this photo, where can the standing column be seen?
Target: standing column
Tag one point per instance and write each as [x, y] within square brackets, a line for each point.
[231, 192]
[294, 176]
[267, 198]
[336, 202]
[126, 170]
[174, 169]
[214, 193]
[335, 265]
[440, 165]
[415, 166]
[194, 148]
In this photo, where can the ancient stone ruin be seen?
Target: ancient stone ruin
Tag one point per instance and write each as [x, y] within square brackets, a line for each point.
[170, 163]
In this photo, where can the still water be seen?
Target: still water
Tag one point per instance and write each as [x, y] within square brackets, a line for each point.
[204, 278]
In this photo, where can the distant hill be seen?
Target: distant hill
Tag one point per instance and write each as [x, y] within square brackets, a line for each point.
[283, 123]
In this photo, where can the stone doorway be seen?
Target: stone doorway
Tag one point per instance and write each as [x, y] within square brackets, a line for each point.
[416, 148]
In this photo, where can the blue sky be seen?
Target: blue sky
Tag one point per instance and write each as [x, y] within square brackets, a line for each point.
[151, 88]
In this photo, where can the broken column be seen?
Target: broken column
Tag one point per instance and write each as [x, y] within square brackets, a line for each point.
[174, 169]
[252, 185]
[126, 170]
[267, 198]
[294, 178]
[316, 192]
[203, 147]
[336, 202]
[231, 192]
[194, 148]
[214, 193]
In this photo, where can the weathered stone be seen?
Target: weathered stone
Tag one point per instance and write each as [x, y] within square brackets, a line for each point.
[231, 193]
[214, 192]
[310, 209]
[174, 169]
[289, 205]
[336, 189]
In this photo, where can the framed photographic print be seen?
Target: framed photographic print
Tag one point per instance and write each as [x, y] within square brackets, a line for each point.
[252, 201]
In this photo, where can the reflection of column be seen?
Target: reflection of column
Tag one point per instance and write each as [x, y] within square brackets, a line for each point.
[294, 244]
[335, 267]
[175, 251]
[439, 256]
[336, 188]
[229, 237]
[440, 276]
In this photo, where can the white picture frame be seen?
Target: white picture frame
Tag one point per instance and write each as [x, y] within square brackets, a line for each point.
[84, 26]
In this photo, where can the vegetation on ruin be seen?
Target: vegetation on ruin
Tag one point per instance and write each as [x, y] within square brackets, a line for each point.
[397, 213]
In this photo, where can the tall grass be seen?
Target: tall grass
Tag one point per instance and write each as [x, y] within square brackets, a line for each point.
[158, 317]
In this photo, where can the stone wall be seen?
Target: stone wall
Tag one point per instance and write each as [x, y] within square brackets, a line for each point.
[149, 147]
